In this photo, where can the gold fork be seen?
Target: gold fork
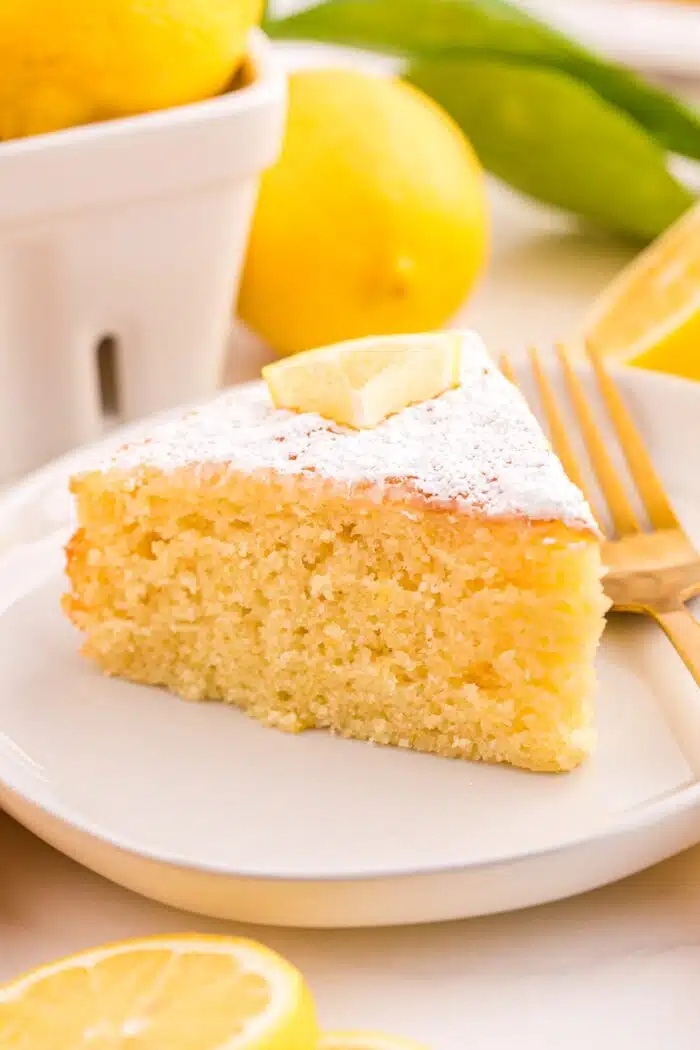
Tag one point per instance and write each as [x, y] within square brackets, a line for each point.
[651, 571]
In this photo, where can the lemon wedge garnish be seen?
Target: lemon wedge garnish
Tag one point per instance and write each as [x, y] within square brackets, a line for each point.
[183, 993]
[360, 383]
[366, 1041]
[649, 316]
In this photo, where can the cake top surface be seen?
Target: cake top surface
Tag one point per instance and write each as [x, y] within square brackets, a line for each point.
[476, 448]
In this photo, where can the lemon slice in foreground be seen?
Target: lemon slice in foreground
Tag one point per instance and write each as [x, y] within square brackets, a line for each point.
[183, 993]
[360, 383]
[365, 1041]
[650, 315]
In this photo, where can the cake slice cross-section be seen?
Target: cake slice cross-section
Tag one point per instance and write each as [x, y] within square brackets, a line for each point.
[432, 582]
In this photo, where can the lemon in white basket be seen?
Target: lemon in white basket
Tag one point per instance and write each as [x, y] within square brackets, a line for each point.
[178, 992]
[68, 62]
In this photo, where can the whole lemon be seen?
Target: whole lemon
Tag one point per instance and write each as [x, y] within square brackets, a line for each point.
[373, 221]
[76, 61]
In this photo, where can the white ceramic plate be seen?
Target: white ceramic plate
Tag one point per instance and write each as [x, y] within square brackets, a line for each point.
[197, 806]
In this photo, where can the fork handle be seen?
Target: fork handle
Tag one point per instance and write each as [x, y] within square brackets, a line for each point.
[683, 631]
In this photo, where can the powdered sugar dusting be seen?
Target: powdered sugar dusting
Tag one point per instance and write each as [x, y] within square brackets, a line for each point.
[476, 448]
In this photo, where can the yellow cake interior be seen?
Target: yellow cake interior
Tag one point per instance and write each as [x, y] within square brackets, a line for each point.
[309, 606]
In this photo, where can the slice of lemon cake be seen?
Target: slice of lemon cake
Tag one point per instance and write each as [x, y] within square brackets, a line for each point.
[431, 581]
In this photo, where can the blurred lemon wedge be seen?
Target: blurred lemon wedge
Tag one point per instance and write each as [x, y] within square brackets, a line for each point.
[365, 1041]
[183, 993]
[361, 382]
[649, 316]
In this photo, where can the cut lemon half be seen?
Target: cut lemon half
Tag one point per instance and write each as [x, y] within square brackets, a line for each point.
[650, 315]
[360, 383]
[183, 993]
[366, 1041]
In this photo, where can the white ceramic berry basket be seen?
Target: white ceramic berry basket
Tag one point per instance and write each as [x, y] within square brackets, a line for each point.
[133, 231]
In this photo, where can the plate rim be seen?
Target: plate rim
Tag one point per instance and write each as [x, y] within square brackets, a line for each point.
[638, 819]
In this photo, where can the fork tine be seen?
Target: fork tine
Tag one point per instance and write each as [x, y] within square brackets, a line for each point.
[507, 369]
[621, 510]
[557, 428]
[660, 511]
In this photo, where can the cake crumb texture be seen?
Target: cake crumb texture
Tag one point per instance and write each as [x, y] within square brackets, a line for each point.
[309, 606]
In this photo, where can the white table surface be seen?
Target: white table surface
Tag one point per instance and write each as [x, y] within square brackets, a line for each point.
[617, 968]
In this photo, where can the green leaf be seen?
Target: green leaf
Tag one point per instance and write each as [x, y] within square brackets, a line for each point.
[495, 29]
[556, 140]
[409, 26]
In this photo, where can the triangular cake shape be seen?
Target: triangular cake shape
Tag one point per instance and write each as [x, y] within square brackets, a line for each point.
[432, 583]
